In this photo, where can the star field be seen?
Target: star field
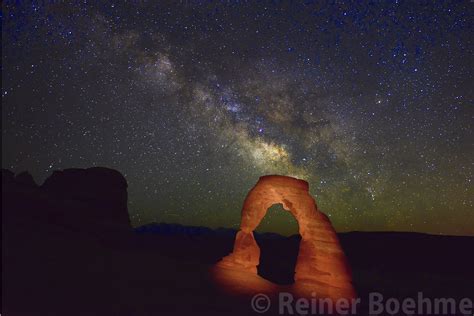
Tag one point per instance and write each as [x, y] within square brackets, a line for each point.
[371, 103]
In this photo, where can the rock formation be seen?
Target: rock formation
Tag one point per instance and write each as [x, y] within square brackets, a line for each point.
[25, 178]
[89, 200]
[102, 190]
[321, 266]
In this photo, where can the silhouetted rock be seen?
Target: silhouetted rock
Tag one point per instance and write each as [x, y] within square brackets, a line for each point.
[90, 200]
[100, 195]
[26, 179]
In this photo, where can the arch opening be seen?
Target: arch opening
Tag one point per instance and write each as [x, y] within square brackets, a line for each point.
[278, 253]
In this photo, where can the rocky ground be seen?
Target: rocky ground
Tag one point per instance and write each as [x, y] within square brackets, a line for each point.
[68, 249]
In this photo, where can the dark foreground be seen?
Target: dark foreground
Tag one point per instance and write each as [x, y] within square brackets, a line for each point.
[67, 249]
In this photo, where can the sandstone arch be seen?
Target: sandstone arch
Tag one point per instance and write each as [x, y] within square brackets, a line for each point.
[321, 265]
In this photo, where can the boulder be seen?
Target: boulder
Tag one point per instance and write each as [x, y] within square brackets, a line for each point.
[26, 179]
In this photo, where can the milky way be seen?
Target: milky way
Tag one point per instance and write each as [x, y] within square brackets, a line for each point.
[372, 104]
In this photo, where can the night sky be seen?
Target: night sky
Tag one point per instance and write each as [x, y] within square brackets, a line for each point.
[371, 103]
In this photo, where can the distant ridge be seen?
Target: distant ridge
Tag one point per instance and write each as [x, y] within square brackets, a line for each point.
[179, 229]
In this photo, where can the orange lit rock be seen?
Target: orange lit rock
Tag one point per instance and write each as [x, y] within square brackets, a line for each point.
[321, 266]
